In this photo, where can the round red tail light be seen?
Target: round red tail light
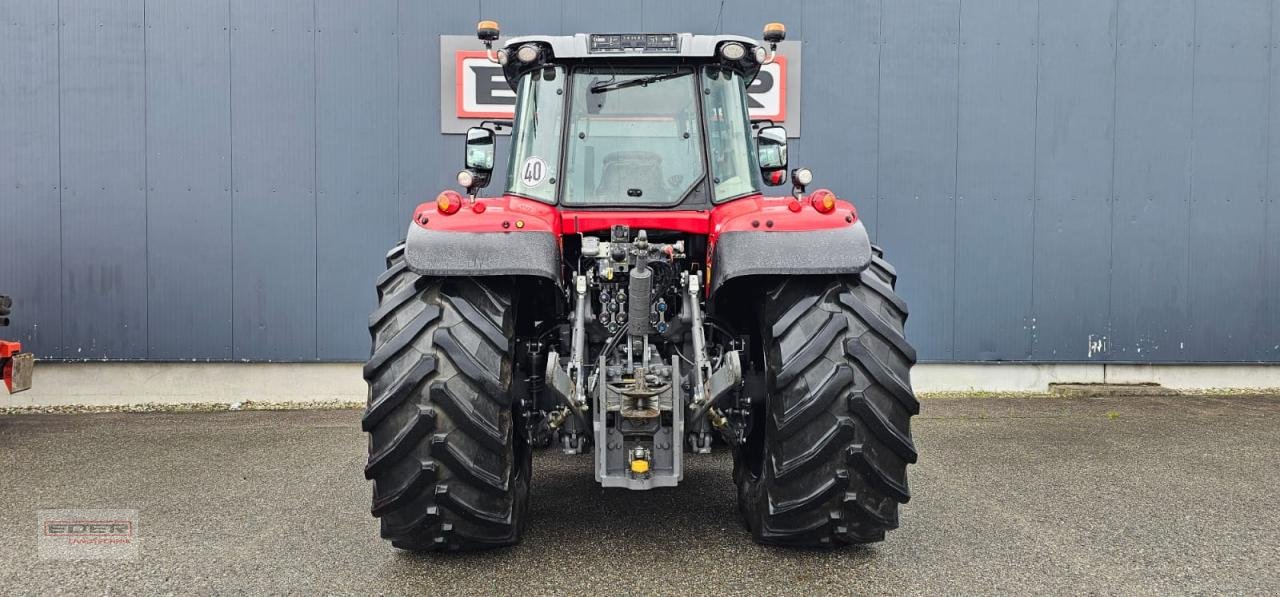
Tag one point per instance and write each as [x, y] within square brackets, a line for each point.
[448, 202]
[823, 200]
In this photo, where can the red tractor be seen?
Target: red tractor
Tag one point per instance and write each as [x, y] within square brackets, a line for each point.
[634, 294]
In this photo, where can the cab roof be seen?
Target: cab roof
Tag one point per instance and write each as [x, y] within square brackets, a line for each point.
[639, 48]
[631, 45]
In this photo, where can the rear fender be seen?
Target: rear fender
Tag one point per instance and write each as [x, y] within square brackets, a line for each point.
[774, 239]
[506, 237]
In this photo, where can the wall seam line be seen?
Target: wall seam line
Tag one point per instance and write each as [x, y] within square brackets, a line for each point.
[1269, 303]
[1035, 182]
[395, 202]
[1191, 161]
[62, 273]
[146, 189]
[875, 232]
[1112, 198]
[231, 177]
[315, 163]
[955, 188]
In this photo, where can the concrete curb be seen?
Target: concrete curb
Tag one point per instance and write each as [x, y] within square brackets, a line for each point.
[1037, 378]
[115, 386]
[120, 384]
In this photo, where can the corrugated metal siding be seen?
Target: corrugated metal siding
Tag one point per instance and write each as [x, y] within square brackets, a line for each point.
[273, 173]
[30, 185]
[1229, 179]
[996, 179]
[356, 64]
[189, 276]
[201, 179]
[104, 197]
[1153, 178]
[918, 125]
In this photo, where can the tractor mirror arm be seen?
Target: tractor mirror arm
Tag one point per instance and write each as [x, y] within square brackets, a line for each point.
[498, 124]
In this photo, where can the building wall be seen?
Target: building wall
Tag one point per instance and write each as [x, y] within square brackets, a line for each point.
[1055, 181]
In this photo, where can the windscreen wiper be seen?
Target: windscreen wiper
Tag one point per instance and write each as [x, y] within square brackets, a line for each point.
[612, 85]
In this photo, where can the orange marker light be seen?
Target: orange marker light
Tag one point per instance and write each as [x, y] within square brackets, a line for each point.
[487, 31]
[775, 32]
[448, 202]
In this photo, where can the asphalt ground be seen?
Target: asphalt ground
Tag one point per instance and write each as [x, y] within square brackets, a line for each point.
[1132, 495]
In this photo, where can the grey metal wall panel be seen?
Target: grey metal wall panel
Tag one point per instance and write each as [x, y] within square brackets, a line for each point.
[581, 16]
[1073, 181]
[694, 16]
[428, 160]
[748, 17]
[356, 69]
[917, 177]
[104, 232]
[1075, 124]
[1229, 181]
[188, 179]
[517, 17]
[844, 158]
[273, 142]
[30, 226]
[996, 180]
[1149, 279]
[1270, 337]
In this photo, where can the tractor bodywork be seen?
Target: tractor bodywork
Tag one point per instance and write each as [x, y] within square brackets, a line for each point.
[634, 293]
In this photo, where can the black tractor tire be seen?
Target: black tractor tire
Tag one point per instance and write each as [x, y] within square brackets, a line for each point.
[449, 470]
[825, 463]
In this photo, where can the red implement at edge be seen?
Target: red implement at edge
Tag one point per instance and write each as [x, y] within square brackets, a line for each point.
[8, 350]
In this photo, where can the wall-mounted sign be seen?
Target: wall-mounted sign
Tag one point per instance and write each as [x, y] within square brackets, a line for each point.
[473, 89]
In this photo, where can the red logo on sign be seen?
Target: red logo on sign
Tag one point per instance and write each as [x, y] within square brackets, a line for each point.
[482, 90]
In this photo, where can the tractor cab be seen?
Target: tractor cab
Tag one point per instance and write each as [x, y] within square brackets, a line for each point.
[631, 121]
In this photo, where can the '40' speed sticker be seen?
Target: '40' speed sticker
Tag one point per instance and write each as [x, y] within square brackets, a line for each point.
[533, 172]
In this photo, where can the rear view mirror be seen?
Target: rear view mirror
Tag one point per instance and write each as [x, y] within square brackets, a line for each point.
[771, 150]
[480, 142]
[478, 159]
